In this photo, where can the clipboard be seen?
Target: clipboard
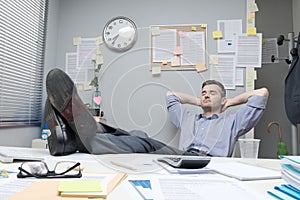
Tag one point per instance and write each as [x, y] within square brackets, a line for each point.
[47, 189]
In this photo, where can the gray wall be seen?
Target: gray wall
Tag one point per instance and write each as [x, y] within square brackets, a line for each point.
[132, 97]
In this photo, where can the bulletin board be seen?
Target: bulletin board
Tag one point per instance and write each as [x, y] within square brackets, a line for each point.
[189, 52]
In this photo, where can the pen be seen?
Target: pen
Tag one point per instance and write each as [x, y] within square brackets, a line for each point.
[122, 165]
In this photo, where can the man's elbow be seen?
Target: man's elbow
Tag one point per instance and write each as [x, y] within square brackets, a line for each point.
[168, 93]
[263, 92]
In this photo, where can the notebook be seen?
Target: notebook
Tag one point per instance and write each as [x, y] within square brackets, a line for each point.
[245, 172]
[9, 154]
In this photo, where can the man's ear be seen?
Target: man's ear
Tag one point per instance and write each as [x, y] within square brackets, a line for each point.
[224, 101]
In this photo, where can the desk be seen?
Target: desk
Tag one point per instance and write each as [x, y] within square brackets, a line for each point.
[145, 167]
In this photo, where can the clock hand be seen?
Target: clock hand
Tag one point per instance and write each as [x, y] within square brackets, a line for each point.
[115, 38]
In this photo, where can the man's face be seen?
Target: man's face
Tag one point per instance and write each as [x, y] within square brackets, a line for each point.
[211, 99]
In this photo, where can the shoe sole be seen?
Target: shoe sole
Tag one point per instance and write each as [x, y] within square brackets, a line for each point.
[63, 96]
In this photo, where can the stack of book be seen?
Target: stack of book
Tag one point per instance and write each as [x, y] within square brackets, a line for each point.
[290, 172]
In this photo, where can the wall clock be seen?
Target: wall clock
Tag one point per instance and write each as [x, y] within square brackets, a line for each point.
[120, 33]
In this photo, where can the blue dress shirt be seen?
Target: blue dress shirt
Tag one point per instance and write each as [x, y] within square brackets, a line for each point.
[215, 135]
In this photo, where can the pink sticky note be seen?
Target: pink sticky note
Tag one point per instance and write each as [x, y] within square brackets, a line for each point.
[182, 34]
[178, 50]
[97, 100]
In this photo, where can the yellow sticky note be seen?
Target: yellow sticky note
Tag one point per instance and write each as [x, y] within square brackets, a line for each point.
[98, 52]
[80, 87]
[155, 31]
[194, 28]
[164, 62]
[263, 40]
[251, 31]
[76, 40]
[213, 59]
[203, 25]
[250, 21]
[200, 67]
[177, 50]
[249, 84]
[175, 61]
[217, 34]
[251, 15]
[156, 70]
[98, 40]
[79, 186]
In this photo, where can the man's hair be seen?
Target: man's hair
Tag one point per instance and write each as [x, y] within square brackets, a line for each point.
[213, 82]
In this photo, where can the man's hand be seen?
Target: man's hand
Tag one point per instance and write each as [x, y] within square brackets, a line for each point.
[186, 98]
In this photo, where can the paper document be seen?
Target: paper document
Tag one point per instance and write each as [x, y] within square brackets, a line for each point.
[248, 50]
[164, 45]
[193, 48]
[224, 71]
[244, 172]
[181, 187]
[269, 49]
[229, 28]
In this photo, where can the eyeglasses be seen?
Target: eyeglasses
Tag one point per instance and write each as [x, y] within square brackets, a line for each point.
[39, 169]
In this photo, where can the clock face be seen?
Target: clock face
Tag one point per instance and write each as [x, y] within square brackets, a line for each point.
[120, 33]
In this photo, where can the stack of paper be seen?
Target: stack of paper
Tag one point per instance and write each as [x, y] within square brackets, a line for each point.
[290, 172]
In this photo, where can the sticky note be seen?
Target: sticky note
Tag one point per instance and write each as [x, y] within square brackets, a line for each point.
[251, 31]
[194, 28]
[182, 34]
[156, 70]
[175, 61]
[164, 62]
[98, 40]
[251, 74]
[251, 15]
[155, 31]
[79, 186]
[99, 59]
[200, 67]
[217, 34]
[252, 7]
[76, 40]
[213, 59]
[98, 52]
[249, 83]
[79, 86]
[263, 40]
[250, 21]
[177, 50]
[203, 25]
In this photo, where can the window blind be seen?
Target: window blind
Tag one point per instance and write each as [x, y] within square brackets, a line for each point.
[22, 46]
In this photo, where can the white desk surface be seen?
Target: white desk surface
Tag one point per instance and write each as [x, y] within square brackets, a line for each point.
[145, 167]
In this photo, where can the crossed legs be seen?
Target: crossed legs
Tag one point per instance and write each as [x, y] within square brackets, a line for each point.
[74, 127]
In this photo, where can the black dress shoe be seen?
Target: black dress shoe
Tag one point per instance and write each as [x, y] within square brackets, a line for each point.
[64, 98]
[62, 140]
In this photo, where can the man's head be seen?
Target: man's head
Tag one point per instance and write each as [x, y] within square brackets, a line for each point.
[213, 96]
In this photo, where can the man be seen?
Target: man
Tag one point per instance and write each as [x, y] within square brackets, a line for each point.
[74, 129]
[214, 132]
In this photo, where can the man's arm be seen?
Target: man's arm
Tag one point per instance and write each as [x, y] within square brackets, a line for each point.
[186, 98]
[243, 98]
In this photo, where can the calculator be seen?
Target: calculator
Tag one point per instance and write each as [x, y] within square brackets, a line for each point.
[188, 162]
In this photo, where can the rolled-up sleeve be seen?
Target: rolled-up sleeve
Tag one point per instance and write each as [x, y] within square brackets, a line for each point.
[174, 110]
[249, 114]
